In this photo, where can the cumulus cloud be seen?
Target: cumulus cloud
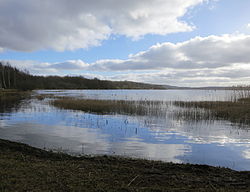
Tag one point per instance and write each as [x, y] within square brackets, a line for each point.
[201, 61]
[224, 76]
[197, 53]
[30, 25]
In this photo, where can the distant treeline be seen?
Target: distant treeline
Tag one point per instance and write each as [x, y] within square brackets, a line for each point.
[13, 78]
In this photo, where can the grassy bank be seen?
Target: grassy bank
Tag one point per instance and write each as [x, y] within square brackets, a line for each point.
[25, 168]
[110, 106]
[237, 111]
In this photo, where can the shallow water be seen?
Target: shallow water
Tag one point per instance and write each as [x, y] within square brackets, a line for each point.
[164, 137]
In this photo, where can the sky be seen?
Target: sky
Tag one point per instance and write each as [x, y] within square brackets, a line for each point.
[172, 42]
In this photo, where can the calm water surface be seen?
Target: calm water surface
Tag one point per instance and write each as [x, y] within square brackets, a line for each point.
[218, 143]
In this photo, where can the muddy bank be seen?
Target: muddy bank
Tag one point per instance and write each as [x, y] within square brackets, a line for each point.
[24, 168]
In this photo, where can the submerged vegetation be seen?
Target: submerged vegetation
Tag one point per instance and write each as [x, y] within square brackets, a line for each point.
[24, 168]
[111, 106]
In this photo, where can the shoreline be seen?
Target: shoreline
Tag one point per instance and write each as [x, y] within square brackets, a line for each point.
[25, 168]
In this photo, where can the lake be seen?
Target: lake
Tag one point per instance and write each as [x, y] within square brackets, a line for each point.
[157, 137]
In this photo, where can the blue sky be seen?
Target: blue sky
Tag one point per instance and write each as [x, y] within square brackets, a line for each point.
[209, 19]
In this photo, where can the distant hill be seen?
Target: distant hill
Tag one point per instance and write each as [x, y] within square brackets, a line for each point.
[13, 78]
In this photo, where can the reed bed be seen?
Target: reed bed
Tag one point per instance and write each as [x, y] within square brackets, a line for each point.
[45, 96]
[237, 111]
[11, 99]
[191, 114]
[112, 106]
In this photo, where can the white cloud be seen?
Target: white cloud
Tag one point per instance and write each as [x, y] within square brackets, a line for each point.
[195, 78]
[30, 25]
[201, 61]
[248, 25]
[197, 53]
[70, 65]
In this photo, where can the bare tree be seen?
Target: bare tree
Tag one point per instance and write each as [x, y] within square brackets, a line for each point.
[14, 78]
[9, 85]
[3, 76]
[1, 86]
[1, 83]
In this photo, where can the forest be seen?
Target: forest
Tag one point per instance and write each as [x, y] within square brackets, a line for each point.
[13, 78]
